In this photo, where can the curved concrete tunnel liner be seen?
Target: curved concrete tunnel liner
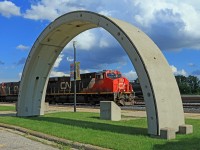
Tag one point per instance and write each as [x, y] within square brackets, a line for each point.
[161, 94]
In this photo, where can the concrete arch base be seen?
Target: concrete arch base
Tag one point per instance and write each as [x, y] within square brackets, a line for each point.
[161, 94]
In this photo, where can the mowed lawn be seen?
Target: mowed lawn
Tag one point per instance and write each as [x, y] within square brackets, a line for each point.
[88, 128]
[7, 108]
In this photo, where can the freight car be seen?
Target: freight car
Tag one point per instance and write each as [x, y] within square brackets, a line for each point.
[137, 88]
[9, 91]
[107, 85]
[94, 87]
[139, 99]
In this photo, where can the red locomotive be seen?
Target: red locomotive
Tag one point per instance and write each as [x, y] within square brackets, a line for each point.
[107, 85]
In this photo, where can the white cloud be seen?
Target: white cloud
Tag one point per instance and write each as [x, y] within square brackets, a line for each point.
[41, 12]
[177, 19]
[54, 72]
[57, 74]
[58, 60]
[190, 19]
[70, 59]
[178, 72]
[86, 40]
[106, 12]
[8, 9]
[50, 10]
[131, 75]
[84, 71]
[22, 47]
[147, 11]
[20, 75]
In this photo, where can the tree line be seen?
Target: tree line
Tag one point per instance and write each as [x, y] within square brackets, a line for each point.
[188, 85]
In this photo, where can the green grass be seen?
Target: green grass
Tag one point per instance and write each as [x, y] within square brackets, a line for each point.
[7, 108]
[88, 128]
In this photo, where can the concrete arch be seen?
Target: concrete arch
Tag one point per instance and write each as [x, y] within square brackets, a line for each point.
[161, 94]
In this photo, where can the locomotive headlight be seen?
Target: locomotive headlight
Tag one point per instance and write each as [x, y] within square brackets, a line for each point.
[124, 90]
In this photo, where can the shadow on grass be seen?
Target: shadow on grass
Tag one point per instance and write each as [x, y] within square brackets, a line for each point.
[181, 144]
[94, 125]
[6, 114]
[95, 117]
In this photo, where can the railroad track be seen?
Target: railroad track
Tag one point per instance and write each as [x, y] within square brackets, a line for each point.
[186, 99]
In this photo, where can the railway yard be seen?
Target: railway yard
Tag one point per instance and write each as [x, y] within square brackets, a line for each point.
[191, 104]
[93, 105]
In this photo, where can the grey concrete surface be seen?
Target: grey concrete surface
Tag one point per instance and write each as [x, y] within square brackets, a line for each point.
[14, 141]
[109, 110]
[167, 133]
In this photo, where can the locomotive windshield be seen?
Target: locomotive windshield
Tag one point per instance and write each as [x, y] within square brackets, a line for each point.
[113, 75]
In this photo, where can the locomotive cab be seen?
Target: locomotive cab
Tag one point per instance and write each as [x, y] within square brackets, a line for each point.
[113, 83]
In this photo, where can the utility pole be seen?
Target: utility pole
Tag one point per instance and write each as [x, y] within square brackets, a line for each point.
[74, 43]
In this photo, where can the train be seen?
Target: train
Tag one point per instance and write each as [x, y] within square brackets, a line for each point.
[106, 85]
[9, 91]
[137, 89]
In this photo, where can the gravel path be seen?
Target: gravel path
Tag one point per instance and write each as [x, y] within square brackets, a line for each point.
[134, 113]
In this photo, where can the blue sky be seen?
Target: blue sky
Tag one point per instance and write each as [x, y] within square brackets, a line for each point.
[172, 24]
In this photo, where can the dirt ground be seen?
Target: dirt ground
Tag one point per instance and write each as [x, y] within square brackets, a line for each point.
[125, 113]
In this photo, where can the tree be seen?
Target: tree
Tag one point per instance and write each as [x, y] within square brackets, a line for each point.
[194, 84]
[188, 85]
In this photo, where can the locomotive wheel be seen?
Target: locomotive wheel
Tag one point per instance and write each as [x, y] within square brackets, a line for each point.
[121, 102]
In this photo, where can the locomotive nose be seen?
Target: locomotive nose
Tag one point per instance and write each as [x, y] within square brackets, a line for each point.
[121, 84]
